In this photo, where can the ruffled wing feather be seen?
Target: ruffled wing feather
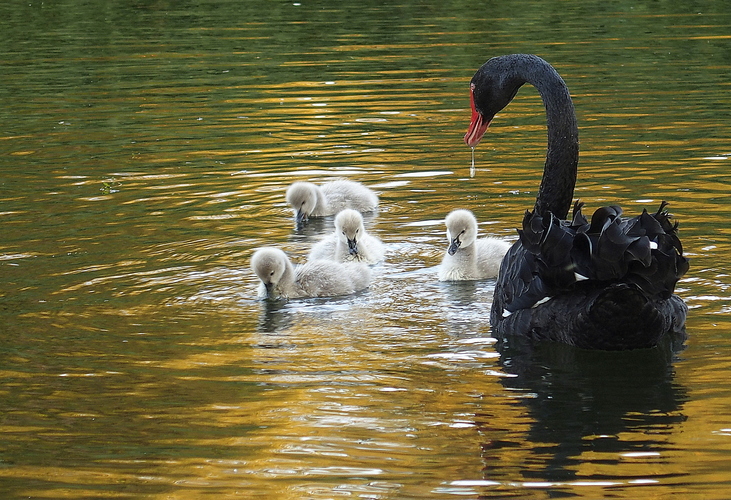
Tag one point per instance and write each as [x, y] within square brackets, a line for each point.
[552, 255]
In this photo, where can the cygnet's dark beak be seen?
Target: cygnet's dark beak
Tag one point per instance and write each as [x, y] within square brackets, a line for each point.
[454, 246]
[269, 288]
[352, 246]
[301, 217]
[300, 220]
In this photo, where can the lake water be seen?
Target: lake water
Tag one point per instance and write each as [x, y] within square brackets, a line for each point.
[146, 150]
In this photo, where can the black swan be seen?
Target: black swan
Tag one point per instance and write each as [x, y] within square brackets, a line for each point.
[606, 284]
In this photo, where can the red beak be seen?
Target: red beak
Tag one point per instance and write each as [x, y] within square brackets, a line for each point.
[478, 124]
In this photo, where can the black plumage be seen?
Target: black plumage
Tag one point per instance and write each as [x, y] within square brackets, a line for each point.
[607, 283]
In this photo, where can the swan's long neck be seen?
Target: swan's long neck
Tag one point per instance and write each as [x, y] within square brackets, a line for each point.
[562, 157]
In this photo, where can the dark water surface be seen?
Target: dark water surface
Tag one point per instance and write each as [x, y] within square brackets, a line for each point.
[146, 148]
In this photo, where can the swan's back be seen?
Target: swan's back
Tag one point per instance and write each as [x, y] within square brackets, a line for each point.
[326, 249]
[604, 284]
[370, 249]
[327, 278]
[490, 253]
[342, 193]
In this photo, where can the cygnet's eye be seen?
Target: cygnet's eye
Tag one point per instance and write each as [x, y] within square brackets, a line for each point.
[271, 273]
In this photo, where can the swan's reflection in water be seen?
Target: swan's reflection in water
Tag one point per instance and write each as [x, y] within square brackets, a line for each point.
[316, 227]
[466, 306]
[274, 316]
[461, 294]
[312, 229]
[589, 414]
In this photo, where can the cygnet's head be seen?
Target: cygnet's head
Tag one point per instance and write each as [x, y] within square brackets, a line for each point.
[461, 230]
[349, 228]
[302, 196]
[269, 264]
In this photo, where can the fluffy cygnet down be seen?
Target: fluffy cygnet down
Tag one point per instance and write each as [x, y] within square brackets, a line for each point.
[310, 200]
[317, 278]
[467, 257]
[350, 241]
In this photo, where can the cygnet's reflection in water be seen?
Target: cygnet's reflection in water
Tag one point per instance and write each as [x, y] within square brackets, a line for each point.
[275, 316]
[315, 228]
[312, 229]
[280, 315]
[461, 293]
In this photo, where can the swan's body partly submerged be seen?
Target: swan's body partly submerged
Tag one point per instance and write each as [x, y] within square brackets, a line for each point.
[350, 241]
[605, 284]
[310, 200]
[469, 258]
[316, 278]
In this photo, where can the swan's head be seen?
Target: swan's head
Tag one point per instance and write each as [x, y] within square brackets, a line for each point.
[461, 230]
[269, 264]
[349, 228]
[302, 197]
[491, 89]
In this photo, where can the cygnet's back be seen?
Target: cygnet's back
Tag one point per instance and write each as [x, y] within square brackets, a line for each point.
[342, 193]
[317, 278]
[469, 258]
[350, 241]
[310, 200]
[327, 278]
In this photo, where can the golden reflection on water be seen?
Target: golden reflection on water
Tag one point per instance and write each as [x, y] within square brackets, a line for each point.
[137, 362]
